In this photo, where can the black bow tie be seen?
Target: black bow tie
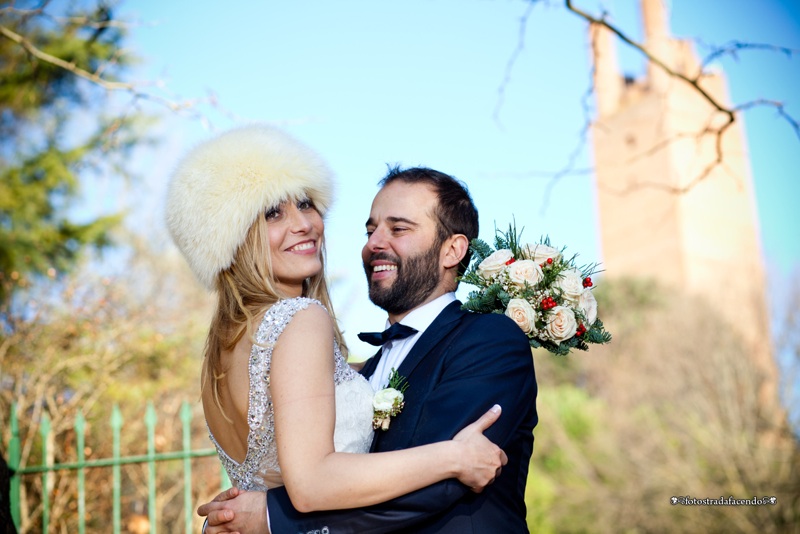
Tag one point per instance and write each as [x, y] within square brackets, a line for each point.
[396, 331]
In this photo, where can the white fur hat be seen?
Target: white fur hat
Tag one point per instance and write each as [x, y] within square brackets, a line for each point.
[223, 184]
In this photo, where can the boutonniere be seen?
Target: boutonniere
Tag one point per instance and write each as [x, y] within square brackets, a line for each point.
[389, 401]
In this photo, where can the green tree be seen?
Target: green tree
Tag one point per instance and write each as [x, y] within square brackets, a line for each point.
[668, 409]
[91, 342]
[54, 75]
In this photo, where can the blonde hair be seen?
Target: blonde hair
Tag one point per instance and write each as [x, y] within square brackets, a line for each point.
[245, 291]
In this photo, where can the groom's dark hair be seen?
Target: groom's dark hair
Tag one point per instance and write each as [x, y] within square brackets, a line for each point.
[455, 212]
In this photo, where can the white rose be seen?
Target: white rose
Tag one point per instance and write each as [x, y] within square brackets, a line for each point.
[385, 399]
[523, 314]
[570, 282]
[588, 305]
[561, 324]
[523, 271]
[541, 253]
[495, 262]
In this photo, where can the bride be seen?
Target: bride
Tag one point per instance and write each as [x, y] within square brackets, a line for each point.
[281, 404]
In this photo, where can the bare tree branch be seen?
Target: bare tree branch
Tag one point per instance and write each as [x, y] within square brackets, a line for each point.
[523, 21]
[729, 113]
[734, 47]
[24, 12]
[68, 66]
[780, 108]
[579, 146]
[694, 82]
[135, 89]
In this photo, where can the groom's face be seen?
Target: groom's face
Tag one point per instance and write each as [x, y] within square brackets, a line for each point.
[402, 256]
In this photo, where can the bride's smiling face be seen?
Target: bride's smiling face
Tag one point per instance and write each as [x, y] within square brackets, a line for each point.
[295, 231]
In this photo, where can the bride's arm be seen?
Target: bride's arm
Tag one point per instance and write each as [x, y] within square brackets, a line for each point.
[316, 477]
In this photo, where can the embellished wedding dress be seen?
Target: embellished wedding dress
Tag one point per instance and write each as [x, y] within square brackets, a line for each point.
[353, 430]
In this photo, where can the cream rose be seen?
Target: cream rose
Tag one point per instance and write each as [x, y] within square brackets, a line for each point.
[570, 282]
[541, 253]
[387, 399]
[495, 262]
[561, 324]
[523, 314]
[588, 306]
[523, 271]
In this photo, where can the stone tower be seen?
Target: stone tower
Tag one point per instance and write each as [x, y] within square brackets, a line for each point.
[658, 219]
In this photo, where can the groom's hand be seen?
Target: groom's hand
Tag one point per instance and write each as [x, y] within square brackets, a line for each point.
[236, 512]
[488, 459]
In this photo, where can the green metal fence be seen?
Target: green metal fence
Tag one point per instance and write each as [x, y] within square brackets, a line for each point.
[115, 462]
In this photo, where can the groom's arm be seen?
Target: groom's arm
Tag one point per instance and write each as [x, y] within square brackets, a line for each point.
[392, 516]
[481, 370]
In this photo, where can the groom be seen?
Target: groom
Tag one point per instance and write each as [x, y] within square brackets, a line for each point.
[457, 364]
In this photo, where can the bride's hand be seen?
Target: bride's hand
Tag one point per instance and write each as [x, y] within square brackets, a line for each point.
[482, 460]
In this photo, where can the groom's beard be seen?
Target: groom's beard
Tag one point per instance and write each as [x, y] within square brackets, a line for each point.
[417, 277]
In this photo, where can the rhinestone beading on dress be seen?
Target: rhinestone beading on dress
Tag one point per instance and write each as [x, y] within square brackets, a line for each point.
[261, 460]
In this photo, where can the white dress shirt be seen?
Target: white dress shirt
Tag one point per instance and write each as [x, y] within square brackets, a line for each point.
[394, 352]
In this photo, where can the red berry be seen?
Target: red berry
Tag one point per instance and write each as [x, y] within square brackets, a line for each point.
[509, 262]
[549, 260]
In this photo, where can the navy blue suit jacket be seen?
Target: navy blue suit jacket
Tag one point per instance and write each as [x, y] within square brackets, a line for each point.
[461, 365]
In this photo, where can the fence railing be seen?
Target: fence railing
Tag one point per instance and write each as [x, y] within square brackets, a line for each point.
[115, 462]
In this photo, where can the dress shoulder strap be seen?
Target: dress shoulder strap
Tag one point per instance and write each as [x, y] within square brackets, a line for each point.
[279, 316]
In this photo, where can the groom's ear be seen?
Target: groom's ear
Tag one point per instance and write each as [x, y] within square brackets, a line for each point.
[455, 248]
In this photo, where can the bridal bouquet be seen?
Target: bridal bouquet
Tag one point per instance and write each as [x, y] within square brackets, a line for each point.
[548, 296]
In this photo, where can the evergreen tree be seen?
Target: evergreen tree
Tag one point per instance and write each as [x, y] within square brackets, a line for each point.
[46, 141]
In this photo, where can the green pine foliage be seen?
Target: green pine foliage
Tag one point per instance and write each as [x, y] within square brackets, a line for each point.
[480, 250]
[597, 333]
[87, 38]
[43, 153]
[397, 381]
[509, 240]
[486, 301]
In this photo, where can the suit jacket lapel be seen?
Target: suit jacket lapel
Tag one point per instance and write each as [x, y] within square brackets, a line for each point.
[371, 364]
[438, 330]
[440, 327]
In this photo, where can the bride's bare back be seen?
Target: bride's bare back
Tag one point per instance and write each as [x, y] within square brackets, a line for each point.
[230, 428]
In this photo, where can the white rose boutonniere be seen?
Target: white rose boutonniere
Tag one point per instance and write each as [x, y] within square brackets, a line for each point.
[495, 263]
[389, 401]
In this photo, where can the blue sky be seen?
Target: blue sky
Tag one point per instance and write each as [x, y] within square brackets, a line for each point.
[368, 83]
